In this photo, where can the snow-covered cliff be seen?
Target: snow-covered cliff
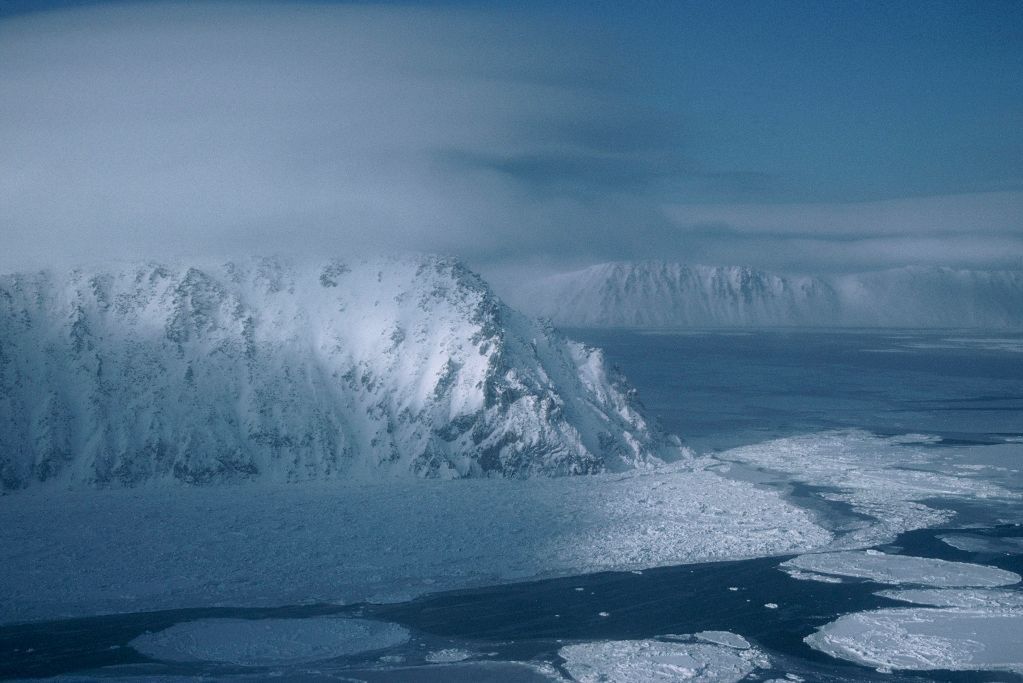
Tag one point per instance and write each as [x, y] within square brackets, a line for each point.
[263, 369]
[932, 297]
[664, 294]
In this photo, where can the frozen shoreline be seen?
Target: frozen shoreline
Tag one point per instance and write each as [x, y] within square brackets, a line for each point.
[83, 553]
[87, 552]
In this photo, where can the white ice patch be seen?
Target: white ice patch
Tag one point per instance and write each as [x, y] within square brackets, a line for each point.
[883, 478]
[970, 598]
[640, 661]
[900, 569]
[725, 638]
[926, 639]
[449, 655]
[268, 642]
[811, 576]
[983, 544]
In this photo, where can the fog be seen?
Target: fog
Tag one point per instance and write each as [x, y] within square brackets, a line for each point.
[510, 138]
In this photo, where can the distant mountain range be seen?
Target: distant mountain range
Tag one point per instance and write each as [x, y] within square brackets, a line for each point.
[260, 369]
[667, 294]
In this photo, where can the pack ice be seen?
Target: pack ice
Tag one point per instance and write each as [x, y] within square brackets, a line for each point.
[405, 366]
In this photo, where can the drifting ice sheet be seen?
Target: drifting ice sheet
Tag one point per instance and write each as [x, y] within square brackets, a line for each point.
[927, 639]
[268, 642]
[899, 569]
[982, 544]
[640, 661]
[725, 638]
[971, 598]
[258, 545]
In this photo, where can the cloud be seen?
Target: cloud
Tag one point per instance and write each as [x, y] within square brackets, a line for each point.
[970, 230]
[166, 128]
[158, 130]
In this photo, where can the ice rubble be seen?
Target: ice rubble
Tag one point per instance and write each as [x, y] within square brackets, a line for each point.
[261, 544]
[269, 642]
[901, 569]
[927, 639]
[883, 479]
[655, 661]
[449, 655]
[263, 369]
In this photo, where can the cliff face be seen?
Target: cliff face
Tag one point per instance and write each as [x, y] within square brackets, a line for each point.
[263, 369]
[663, 294]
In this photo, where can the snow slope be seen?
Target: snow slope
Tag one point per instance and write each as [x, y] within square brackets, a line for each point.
[665, 294]
[264, 369]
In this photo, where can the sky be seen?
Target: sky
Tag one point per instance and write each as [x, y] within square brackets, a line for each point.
[806, 137]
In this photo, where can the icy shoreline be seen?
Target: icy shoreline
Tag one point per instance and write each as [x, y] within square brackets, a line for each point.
[81, 553]
[87, 552]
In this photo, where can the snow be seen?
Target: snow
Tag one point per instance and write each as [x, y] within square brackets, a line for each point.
[256, 544]
[268, 642]
[927, 639]
[640, 661]
[266, 369]
[674, 295]
[900, 569]
[972, 598]
[664, 294]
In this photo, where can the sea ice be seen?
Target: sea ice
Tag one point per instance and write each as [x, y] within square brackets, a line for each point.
[265, 544]
[640, 661]
[885, 479]
[900, 569]
[926, 639]
[726, 638]
[982, 544]
[971, 598]
[449, 655]
[268, 642]
[811, 576]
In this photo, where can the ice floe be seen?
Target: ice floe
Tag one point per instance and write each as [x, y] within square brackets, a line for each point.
[970, 598]
[811, 576]
[901, 569]
[972, 543]
[268, 642]
[639, 661]
[926, 639]
[725, 638]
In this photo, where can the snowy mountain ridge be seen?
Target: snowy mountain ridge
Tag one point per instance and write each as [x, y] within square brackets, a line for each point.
[668, 294]
[265, 369]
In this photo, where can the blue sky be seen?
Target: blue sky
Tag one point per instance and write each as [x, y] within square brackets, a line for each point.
[800, 136]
